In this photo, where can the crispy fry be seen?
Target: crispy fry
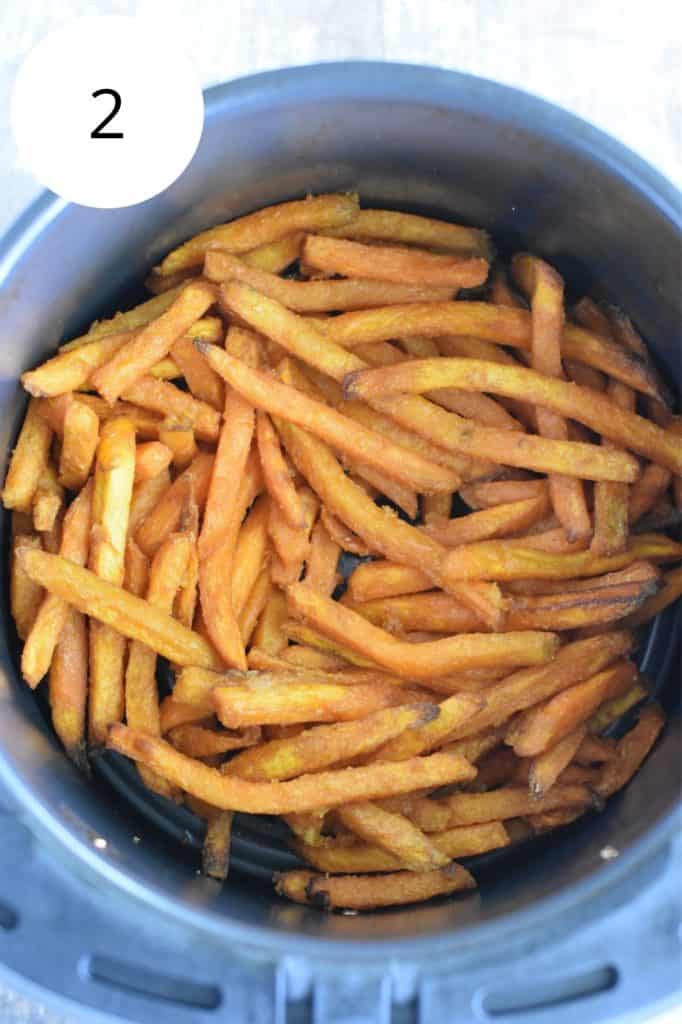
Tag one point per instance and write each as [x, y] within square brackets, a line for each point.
[292, 545]
[153, 342]
[146, 423]
[545, 768]
[127, 614]
[393, 833]
[161, 516]
[29, 460]
[322, 295]
[41, 640]
[322, 746]
[475, 348]
[161, 397]
[321, 566]
[264, 226]
[48, 500]
[542, 727]
[372, 581]
[203, 382]
[254, 605]
[498, 521]
[489, 494]
[452, 713]
[26, 596]
[113, 486]
[136, 575]
[302, 634]
[647, 491]
[258, 704]
[363, 892]
[419, 661]
[588, 407]
[199, 741]
[502, 560]
[268, 636]
[611, 710]
[151, 458]
[574, 663]
[68, 686]
[276, 475]
[632, 750]
[484, 321]
[174, 713]
[302, 656]
[178, 438]
[306, 793]
[215, 853]
[595, 750]
[394, 263]
[342, 434]
[410, 229]
[511, 802]
[334, 858]
[80, 435]
[276, 256]
[249, 553]
[669, 592]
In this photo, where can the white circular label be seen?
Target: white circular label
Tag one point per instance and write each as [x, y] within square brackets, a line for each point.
[106, 113]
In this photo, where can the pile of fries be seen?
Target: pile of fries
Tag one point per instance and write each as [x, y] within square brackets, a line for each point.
[189, 473]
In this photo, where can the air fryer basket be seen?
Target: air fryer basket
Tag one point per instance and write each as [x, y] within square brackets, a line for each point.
[100, 900]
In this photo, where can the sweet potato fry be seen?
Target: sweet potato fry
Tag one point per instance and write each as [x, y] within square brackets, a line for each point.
[68, 686]
[612, 710]
[363, 892]
[151, 458]
[215, 852]
[136, 574]
[292, 545]
[489, 494]
[542, 727]
[419, 661]
[162, 517]
[498, 521]
[174, 713]
[302, 656]
[632, 750]
[203, 382]
[268, 636]
[264, 226]
[342, 535]
[200, 741]
[153, 342]
[256, 704]
[546, 767]
[29, 460]
[41, 640]
[574, 663]
[476, 348]
[249, 553]
[323, 295]
[647, 491]
[545, 289]
[322, 562]
[161, 397]
[497, 324]
[452, 712]
[254, 605]
[410, 229]
[188, 595]
[275, 256]
[333, 858]
[371, 581]
[595, 750]
[394, 263]
[393, 833]
[146, 423]
[501, 560]
[312, 638]
[26, 596]
[344, 435]
[511, 802]
[669, 592]
[322, 746]
[276, 475]
[113, 486]
[80, 435]
[48, 500]
[594, 410]
[127, 614]
[306, 793]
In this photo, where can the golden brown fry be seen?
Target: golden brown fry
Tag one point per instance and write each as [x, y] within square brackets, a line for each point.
[249, 553]
[647, 491]
[254, 605]
[511, 802]
[632, 750]
[179, 439]
[136, 576]
[161, 397]
[588, 407]
[268, 636]
[276, 475]
[302, 656]
[146, 423]
[344, 538]
[203, 382]
[410, 229]
[254, 704]
[158, 518]
[393, 833]
[452, 713]
[29, 460]
[264, 226]
[419, 661]
[669, 592]
[199, 741]
[545, 768]
[151, 458]
[541, 727]
[322, 746]
[174, 713]
[133, 318]
[276, 256]
[545, 289]
[113, 486]
[26, 596]
[595, 750]
[292, 545]
[80, 436]
[334, 858]
[321, 566]
[394, 263]
[501, 560]
[487, 322]
[41, 640]
[372, 581]
[611, 710]
[498, 521]
[306, 793]
[363, 892]
[48, 500]
[123, 612]
[215, 853]
[68, 686]
[153, 342]
[487, 495]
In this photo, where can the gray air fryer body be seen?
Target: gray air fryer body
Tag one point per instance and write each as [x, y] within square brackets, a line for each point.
[100, 900]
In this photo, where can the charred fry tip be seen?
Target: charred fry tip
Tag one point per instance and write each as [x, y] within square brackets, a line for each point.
[318, 897]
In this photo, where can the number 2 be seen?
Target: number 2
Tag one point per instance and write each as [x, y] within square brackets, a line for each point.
[97, 132]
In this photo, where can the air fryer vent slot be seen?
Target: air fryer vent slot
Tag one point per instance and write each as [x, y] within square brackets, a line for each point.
[551, 992]
[142, 981]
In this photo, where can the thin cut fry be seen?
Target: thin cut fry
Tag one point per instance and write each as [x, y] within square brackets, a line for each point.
[511, 802]
[452, 713]
[267, 225]
[68, 686]
[254, 605]
[669, 592]
[363, 892]
[372, 581]
[215, 853]
[410, 229]
[394, 263]
[80, 436]
[613, 710]
[26, 596]
[161, 397]
[321, 566]
[632, 750]
[394, 833]
[292, 545]
[199, 741]
[545, 768]
[498, 521]
[419, 661]
[123, 612]
[163, 516]
[276, 475]
[48, 500]
[500, 492]
[202, 381]
[29, 460]
[306, 793]
[136, 576]
[268, 636]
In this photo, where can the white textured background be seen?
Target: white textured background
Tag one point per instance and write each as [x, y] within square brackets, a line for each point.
[617, 63]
